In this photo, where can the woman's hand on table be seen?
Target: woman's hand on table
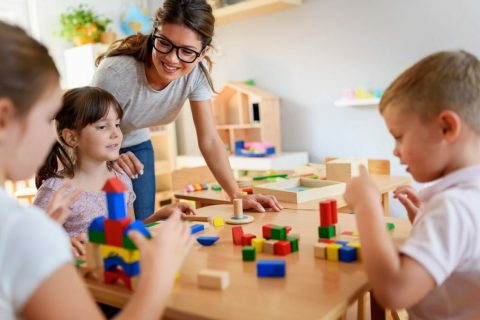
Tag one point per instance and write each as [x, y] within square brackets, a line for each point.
[259, 202]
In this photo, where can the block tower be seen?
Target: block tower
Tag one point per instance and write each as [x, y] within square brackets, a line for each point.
[109, 246]
[328, 219]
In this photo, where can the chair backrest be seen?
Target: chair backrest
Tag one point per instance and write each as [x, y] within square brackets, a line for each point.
[185, 176]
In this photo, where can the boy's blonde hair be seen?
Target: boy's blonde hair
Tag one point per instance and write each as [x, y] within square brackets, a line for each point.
[447, 80]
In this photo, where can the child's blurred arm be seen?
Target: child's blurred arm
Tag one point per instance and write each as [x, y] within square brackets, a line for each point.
[408, 197]
[165, 212]
[397, 280]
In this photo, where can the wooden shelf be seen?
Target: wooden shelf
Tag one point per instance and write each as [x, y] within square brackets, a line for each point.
[238, 126]
[357, 103]
[251, 8]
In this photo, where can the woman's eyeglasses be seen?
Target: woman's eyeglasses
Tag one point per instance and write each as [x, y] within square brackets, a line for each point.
[165, 46]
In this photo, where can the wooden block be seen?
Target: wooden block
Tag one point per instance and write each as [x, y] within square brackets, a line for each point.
[269, 246]
[326, 232]
[334, 211]
[332, 251]
[197, 218]
[343, 169]
[127, 255]
[114, 230]
[237, 208]
[93, 258]
[282, 248]
[248, 253]
[237, 234]
[293, 243]
[266, 230]
[320, 250]
[278, 233]
[218, 222]
[358, 247]
[247, 239]
[258, 244]
[213, 279]
[347, 254]
[325, 213]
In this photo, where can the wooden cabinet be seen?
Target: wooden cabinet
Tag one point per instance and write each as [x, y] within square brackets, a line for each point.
[244, 112]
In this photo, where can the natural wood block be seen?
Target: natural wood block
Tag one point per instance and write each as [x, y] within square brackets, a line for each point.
[213, 279]
[269, 246]
[320, 250]
[343, 169]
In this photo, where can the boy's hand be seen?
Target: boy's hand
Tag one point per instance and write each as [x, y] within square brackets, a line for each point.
[127, 162]
[163, 255]
[77, 244]
[408, 196]
[259, 202]
[361, 190]
[58, 207]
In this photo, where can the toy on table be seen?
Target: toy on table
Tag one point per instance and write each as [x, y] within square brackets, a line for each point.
[207, 240]
[109, 244]
[195, 187]
[253, 149]
[238, 216]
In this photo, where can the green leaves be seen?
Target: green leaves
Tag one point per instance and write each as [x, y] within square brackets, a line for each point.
[82, 24]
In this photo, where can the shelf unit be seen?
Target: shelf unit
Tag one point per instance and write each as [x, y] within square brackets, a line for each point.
[165, 149]
[251, 8]
[357, 103]
[248, 113]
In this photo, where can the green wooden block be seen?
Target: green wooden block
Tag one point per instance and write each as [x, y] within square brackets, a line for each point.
[278, 233]
[96, 236]
[248, 253]
[128, 244]
[326, 232]
[293, 243]
[216, 188]
[390, 226]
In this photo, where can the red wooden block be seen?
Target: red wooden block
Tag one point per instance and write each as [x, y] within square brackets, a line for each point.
[347, 233]
[114, 185]
[114, 275]
[328, 241]
[267, 230]
[288, 229]
[247, 239]
[282, 247]
[114, 230]
[237, 233]
[325, 213]
[333, 209]
[248, 190]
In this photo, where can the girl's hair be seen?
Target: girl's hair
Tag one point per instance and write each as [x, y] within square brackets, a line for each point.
[80, 107]
[194, 14]
[26, 68]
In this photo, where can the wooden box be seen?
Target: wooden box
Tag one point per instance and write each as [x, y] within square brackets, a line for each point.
[301, 189]
[343, 169]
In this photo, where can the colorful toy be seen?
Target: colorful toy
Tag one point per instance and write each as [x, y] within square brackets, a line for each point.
[248, 253]
[271, 268]
[196, 187]
[108, 240]
[253, 149]
[238, 216]
[207, 241]
[213, 279]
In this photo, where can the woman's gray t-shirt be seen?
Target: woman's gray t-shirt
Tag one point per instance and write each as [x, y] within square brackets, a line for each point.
[143, 107]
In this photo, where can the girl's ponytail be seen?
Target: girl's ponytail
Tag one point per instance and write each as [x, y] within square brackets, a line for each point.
[50, 168]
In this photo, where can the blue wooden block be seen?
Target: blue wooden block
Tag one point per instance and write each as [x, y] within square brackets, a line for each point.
[98, 224]
[197, 228]
[117, 208]
[270, 268]
[138, 226]
[347, 254]
[343, 243]
[207, 241]
[130, 269]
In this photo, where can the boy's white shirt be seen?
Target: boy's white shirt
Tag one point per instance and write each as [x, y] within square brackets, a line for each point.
[445, 240]
[32, 248]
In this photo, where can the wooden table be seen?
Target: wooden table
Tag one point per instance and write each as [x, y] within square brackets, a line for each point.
[384, 183]
[312, 288]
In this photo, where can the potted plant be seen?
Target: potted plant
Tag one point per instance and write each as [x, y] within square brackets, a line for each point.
[82, 25]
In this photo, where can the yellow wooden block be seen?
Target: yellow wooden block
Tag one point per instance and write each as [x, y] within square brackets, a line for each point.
[357, 247]
[218, 221]
[258, 243]
[332, 251]
[127, 255]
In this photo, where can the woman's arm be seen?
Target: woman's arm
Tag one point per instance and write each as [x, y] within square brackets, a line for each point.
[216, 157]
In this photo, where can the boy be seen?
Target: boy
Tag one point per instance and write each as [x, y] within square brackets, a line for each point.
[432, 110]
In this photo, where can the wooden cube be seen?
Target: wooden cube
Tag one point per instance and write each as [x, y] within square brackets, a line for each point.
[343, 169]
[213, 279]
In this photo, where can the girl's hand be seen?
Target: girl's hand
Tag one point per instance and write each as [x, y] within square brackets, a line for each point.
[361, 190]
[77, 244]
[163, 255]
[58, 206]
[180, 208]
[127, 162]
[259, 202]
[408, 197]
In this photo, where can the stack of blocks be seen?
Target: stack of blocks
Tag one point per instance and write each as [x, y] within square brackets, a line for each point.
[328, 248]
[108, 236]
[274, 241]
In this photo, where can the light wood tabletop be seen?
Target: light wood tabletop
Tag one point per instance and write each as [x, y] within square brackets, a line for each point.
[385, 184]
[312, 288]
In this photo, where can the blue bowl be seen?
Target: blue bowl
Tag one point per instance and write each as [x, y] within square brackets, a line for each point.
[207, 241]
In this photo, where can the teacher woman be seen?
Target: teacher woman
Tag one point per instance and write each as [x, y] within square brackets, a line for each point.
[152, 76]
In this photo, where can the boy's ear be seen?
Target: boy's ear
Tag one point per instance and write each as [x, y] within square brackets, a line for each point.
[7, 113]
[451, 124]
[70, 137]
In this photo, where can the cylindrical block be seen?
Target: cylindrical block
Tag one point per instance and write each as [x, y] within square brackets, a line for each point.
[325, 213]
[237, 208]
[334, 211]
